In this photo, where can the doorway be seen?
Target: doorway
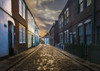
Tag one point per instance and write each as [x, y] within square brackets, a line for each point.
[98, 35]
[10, 38]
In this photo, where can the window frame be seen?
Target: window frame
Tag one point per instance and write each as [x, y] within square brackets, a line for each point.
[89, 34]
[79, 36]
[22, 9]
[23, 32]
[80, 3]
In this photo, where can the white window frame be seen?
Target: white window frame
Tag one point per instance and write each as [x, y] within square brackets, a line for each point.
[81, 3]
[22, 34]
[89, 3]
[22, 8]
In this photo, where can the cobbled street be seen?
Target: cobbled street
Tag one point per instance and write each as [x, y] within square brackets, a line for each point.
[48, 59]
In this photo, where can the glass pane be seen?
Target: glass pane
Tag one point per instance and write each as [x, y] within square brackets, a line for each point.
[81, 39]
[67, 37]
[80, 1]
[70, 38]
[81, 7]
[20, 7]
[80, 30]
[89, 2]
[98, 35]
[23, 10]
[20, 34]
[88, 29]
[23, 35]
[74, 38]
[88, 40]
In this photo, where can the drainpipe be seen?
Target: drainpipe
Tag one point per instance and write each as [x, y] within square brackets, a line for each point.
[93, 21]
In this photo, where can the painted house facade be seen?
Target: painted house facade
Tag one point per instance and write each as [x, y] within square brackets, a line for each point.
[46, 39]
[16, 26]
[7, 24]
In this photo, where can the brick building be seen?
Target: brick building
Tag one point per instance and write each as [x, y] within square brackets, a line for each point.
[54, 39]
[79, 22]
[51, 33]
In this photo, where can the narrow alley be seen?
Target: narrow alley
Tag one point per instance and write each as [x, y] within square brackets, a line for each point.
[46, 58]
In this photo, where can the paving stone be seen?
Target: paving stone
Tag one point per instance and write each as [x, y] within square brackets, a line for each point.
[49, 59]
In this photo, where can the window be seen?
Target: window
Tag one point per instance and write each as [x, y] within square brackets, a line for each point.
[61, 37]
[88, 33]
[22, 8]
[67, 36]
[89, 2]
[67, 15]
[22, 34]
[98, 35]
[80, 34]
[59, 23]
[62, 21]
[81, 5]
[74, 38]
[71, 36]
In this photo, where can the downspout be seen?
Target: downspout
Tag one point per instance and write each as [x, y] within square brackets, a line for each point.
[93, 21]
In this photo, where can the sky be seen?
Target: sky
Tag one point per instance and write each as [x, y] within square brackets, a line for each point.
[45, 13]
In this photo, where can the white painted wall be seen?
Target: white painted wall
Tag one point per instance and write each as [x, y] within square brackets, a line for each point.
[4, 18]
[6, 5]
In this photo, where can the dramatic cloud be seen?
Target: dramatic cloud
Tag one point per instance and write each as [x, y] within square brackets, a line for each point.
[45, 12]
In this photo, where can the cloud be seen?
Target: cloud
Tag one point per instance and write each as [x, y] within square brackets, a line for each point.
[45, 13]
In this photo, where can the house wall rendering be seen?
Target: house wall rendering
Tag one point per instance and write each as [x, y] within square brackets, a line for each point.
[15, 27]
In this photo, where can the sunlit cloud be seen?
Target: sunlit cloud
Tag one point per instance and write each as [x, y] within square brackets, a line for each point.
[45, 13]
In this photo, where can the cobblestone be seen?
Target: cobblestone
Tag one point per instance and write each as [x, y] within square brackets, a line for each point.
[49, 59]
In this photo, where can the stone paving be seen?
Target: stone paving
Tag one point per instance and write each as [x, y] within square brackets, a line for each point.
[49, 59]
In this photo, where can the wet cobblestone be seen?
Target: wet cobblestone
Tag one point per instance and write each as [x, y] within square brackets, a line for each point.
[49, 59]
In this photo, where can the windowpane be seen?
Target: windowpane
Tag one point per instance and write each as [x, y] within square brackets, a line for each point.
[98, 35]
[20, 34]
[80, 31]
[67, 15]
[71, 38]
[88, 40]
[81, 34]
[20, 7]
[88, 33]
[80, 1]
[74, 38]
[88, 29]
[89, 2]
[80, 39]
[23, 35]
[23, 10]
[67, 36]
[81, 7]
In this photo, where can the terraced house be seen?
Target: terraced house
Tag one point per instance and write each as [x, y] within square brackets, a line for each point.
[79, 22]
[17, 27]
[79, 29]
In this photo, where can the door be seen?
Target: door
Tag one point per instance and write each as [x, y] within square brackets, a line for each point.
[98, 35]
[10, 44]
[10, 39]
[32, 40]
